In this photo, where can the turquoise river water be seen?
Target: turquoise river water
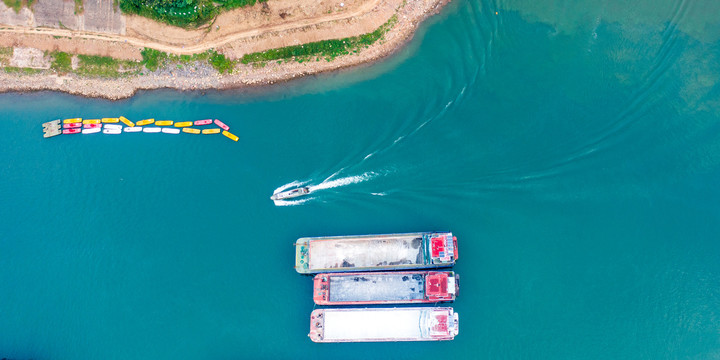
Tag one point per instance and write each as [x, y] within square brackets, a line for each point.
[572, 147]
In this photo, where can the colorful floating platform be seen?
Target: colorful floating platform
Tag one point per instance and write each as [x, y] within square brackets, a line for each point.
[112, 126]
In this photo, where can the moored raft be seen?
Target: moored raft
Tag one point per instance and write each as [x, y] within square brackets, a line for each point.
[72, 125]
[422, 250]
[164, 122]
[110, 120]
[113, 126]
[203, 122]
[221, 125]
[133, 129]
[91, 126]
[52, 128]
[211, 131]
[91, 122]
[183, 123]
[145, 122]
[51, 124]
[151, 129]
[126, 121]
[90, 131]
[170, 131]
[191, 130]
[230, 136]
[71, 131]
[392, 287]
[72, 121]
[112, 131]
[383, 324]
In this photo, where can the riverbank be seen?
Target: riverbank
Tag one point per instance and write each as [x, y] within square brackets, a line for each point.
[400, 17]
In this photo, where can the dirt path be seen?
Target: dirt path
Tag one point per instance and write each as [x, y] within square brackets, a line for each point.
[189, 46]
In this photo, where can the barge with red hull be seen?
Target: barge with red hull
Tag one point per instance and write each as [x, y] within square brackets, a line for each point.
[383, 324]
[406, 251]
[397, 287]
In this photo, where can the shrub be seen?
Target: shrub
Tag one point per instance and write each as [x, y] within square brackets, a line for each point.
[152, 58]
[221, 63]
[62, 61]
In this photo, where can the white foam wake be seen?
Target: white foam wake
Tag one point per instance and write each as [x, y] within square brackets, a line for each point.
[329, 184]
[290, 202]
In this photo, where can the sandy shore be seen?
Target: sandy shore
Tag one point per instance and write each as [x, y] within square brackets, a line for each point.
[201, 76]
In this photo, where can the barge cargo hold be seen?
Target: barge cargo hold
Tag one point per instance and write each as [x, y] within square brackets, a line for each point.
[422, 250]
[383, 324]
[397, 287]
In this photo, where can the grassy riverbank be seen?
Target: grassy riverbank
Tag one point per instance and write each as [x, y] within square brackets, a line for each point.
[328, 49]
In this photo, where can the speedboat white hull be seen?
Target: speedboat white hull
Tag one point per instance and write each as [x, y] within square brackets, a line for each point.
[289, 194]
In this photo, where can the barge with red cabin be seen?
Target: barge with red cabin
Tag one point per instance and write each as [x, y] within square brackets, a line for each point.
[397, 287]
[406, 251]
[383, 324]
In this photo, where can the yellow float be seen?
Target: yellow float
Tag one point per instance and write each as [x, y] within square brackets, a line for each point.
[230, 136]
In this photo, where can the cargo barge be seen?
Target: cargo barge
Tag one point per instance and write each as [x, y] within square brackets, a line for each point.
[383, 324]
[422, 250]
[398, 287]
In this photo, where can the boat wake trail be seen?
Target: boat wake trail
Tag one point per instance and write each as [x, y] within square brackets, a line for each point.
[329, 184]
[291, 202]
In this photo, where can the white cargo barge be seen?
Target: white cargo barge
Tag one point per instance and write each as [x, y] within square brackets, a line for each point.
[421, 250]
[383, 324]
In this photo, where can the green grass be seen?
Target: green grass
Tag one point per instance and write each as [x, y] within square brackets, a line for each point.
[98, 66]
[152, 59]
[18, 70]
[221, 63]
[328, 49]
[182, 13]
[79, 9]
[14, 4]
[5, 55]
[62, 61]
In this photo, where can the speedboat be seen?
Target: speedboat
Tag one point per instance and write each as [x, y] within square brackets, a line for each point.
[289, 194]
